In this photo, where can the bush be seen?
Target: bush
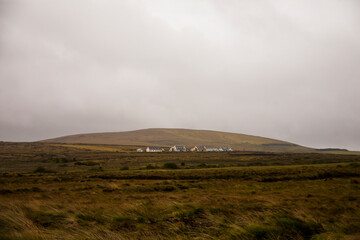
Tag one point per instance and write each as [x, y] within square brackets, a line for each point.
[171, 166]
[202, 165]
[99, 169]
[124, 168]
[150, 167]
[42, 170]
[87, 163]
[354, 165]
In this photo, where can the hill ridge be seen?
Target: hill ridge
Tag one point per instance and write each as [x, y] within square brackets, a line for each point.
[167, 137]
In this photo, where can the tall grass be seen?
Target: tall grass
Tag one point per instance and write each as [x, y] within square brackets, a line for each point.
[320, 201]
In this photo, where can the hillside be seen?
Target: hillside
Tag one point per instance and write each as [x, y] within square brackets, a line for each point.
[169, 137]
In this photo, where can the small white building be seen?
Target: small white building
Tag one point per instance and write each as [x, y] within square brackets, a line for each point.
[140, 150]
[201, 149]
[154, 149]
[212, 149]
[198, 149]
[225, 149]
[177, 149]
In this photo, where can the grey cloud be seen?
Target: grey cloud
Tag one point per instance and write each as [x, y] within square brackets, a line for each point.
[280, 69]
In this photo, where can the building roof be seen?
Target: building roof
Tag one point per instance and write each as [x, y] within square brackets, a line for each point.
[225, 148]
[180, 147]
[155, 148]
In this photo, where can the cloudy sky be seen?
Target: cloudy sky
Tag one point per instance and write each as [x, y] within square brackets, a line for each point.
[282, 69]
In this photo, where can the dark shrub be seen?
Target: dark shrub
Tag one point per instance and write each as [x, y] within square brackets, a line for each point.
[98, 169]
[40, 170]
[5, 191]
[354, 181]
[167, 188]
[202, 165]
[36, 189]
[108, 190]
[171, 166]
[87, 163]
[354, 165]
[150, 166]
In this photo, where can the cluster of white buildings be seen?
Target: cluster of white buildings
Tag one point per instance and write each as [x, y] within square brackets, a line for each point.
[207, 149]
[184, 149]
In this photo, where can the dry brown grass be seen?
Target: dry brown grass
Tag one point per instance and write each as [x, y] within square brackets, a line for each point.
[313, 201]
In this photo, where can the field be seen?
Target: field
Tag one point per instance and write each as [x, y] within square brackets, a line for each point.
[59, 191]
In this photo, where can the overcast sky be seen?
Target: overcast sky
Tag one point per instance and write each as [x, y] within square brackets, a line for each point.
[284, 69]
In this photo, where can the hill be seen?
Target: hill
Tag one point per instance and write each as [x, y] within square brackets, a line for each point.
[169, 137]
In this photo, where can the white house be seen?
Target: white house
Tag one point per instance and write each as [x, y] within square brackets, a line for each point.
[201, 149]
[154, 149]
[225, 149]
[177, 149]
[140, 150]
[212, 149]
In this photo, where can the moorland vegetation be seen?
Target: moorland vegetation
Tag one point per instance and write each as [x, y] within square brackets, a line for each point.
[52, 191]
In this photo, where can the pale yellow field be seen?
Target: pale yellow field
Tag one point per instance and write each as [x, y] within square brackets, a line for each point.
[93, 147]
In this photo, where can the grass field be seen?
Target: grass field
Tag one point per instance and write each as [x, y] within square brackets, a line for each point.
[66, 192]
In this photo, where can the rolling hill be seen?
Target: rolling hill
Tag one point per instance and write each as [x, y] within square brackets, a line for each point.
[168, 137]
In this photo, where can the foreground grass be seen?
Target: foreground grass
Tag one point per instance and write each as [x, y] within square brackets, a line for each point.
[309, 201]
[253, 203]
